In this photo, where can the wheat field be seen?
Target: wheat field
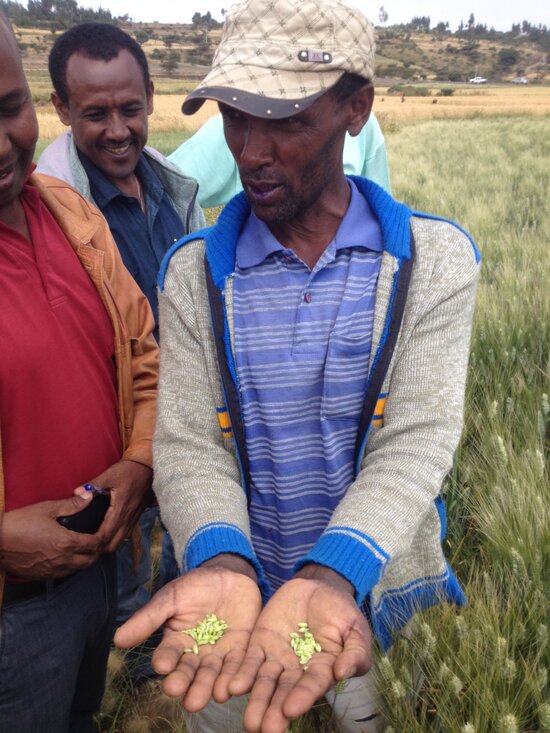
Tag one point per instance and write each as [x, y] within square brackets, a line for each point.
[486, 669]
[466, 102]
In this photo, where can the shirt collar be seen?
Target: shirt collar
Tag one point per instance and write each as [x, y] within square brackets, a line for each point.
[104, 191]
[358, 228]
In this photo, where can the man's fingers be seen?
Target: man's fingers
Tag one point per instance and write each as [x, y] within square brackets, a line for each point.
[148, 619]
[355, 659]
[231, 665]
[113, 542]
[177, 682]
[261, 695]
[171, 650]
[312, 685]
[200, 690]
[244, 679]
[275, 719]
[73, 504]
[350, 664]
[138, 628]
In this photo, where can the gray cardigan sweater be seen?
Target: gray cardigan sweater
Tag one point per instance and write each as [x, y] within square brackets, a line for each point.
[385, 535]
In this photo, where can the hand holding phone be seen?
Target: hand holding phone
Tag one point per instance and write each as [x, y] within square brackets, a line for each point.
[90, 518]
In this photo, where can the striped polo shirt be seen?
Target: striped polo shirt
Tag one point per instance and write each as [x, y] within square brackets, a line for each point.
[303, 339]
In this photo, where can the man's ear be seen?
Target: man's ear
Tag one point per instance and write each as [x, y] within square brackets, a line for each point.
[150, 94]
[61, 109]
[360, 106]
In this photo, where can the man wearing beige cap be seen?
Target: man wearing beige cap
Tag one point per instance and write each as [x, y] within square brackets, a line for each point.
[315, 343]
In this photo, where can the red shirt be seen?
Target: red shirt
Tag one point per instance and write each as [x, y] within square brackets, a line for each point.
[58, 401]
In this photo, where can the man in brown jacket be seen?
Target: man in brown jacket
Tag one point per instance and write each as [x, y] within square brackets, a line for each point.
[78, 379]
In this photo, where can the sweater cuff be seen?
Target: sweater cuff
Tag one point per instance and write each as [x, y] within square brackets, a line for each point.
[216, 539]
[352, 554]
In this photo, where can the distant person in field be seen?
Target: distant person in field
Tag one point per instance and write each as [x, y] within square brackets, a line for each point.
[314, 352]
[103, 91]
[206, 157]
[78, 378]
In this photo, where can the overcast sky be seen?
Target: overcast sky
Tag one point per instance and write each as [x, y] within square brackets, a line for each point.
[497, 13]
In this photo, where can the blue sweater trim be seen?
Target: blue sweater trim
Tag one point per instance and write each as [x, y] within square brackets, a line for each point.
[221, 239]
[217, 538]
[396, 607]
[394, 217]
[352, 554]
[199, 234]
[221, 242]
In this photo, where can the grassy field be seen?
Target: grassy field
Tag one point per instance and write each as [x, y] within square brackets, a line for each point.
[466, 102]
[486, 668]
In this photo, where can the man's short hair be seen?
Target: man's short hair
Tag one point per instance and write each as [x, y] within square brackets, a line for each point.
[97, 41]
[347, 85]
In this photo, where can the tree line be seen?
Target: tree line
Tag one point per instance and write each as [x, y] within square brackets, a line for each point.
[55, 14]
[64, 13]
[468, 29]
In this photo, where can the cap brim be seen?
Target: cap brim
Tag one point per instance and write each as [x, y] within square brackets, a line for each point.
[256, 105]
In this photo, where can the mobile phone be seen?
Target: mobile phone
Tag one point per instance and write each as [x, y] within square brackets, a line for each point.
[89, 519]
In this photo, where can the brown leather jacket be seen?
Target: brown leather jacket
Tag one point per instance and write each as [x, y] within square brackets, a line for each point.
[136, 351]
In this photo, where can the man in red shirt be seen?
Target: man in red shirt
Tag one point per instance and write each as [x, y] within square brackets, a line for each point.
[77, 401]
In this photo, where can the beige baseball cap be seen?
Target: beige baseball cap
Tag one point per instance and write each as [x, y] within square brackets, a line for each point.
[276, 57]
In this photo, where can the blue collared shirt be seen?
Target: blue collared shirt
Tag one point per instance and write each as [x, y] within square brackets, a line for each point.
[303, 340]
[142, 239]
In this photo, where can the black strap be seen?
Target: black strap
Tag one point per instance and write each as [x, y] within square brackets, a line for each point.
[381, 367]
[229, 386]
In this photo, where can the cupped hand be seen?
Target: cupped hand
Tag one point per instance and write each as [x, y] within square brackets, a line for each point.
[281, 689]
[232, 596]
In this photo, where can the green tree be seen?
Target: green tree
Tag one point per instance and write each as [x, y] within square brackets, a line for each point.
[420, 23]
[507, 57]
[201, 53]
[142, 36]
[170, 61]
[170, 38]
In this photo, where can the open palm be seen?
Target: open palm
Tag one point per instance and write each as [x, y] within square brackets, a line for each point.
[281, 689]
[182, 604]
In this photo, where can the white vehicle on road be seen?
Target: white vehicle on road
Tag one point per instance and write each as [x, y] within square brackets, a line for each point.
[477, 80]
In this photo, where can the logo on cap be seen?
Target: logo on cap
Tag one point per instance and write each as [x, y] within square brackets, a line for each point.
[319, 57]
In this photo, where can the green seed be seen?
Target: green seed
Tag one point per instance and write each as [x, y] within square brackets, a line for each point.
[303, 644]
[207, 631]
